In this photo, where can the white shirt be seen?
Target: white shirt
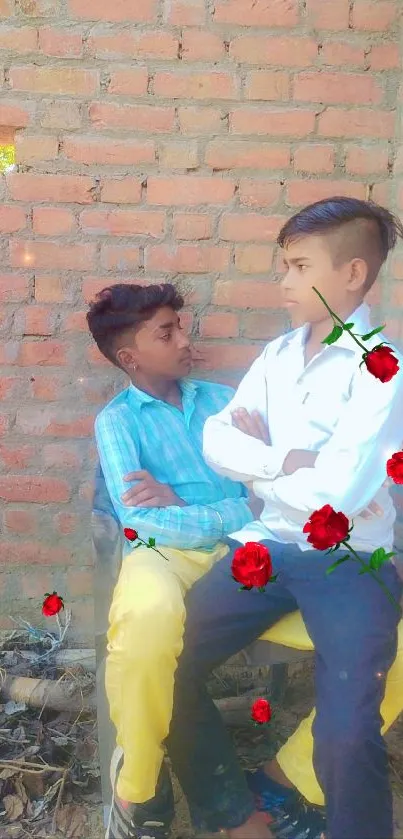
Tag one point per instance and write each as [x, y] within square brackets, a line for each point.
[331, 406]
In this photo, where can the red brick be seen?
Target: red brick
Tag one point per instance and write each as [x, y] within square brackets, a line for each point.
[34, 489]
[189, 191]
[328, 14]
[187, 259]
[254, 193]
[134, 117]
[192, 226]
[120, 257]
[48, 289]
[279, 51]
[6, 8]
[12, 114]
[202, 45]
[90, 150]
[349, 88]
[20, 457]
[120, 10]
[93, 285]
[185, 12]
[63, 188]
[31, 149]
[121, 191]
[153, 44]
[46, 388]
[200, 121]
[263, 325]
[249, 227]
[39, 8]
[29, 553]
[374, 15]
[185, 85]
[64, 43]
[361, 122]
[54, 422]
[95, 357]
[253, 259]
[367, 161]
[65, 524]
[4, 425]
[312, 158]
[385, 57]
[179, 155]
[61, 114]
[219, 325]
[269, 85]
[236, 154]
[79, 581]
[75, 322]
[226, 356]
[24, 39]
[62, 455]
[65, 80]
[129, 81]
[123, 222]
[340, 54]
[9, 386]
[20, 521]
[397, 268]
[48, 353]
[257, 13]
[304, 192]
[8, 352]
[381, 193]
[74, 257]
[275, 123]
[247, 294]
[12, 218]
[52, 221]
[35, 320]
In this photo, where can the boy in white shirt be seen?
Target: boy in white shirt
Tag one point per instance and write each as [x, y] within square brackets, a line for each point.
[332, 427]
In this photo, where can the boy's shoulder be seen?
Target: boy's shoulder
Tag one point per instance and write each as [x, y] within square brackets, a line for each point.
[213, 390]
[116, 407]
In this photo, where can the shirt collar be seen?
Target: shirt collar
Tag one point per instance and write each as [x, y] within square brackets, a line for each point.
[188, 387]
[362, 324]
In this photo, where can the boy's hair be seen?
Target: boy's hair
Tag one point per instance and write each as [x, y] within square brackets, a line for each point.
[354, 229]
[120, 308]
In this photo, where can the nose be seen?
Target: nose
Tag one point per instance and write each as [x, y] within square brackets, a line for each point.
[184, 340]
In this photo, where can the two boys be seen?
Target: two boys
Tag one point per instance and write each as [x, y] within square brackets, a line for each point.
[331, 430]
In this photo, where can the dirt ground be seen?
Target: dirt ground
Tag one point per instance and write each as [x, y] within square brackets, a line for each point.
[33, 807]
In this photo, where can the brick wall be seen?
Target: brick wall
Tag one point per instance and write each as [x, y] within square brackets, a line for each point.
[162, 141]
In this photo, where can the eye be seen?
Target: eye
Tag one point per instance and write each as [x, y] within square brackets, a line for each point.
[302, 267]
[166, 337]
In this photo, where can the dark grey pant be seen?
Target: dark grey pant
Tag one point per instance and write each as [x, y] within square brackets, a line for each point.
[353, 627]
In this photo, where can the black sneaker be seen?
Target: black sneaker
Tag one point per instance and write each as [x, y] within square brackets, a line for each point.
[301, 820]
[132, 821]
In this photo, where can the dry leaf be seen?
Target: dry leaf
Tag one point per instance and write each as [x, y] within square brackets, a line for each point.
[71, 820]
[14, 807]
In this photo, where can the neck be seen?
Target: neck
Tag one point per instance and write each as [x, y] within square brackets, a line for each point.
[319, 331]
[167, 390]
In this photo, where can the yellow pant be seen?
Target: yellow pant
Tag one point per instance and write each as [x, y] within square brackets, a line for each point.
[144, 642]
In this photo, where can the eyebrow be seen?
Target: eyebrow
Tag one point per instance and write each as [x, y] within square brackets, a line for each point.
[295, 259]
[167, 325]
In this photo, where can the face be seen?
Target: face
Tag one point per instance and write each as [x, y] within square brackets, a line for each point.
[309, 263]
[159, 349]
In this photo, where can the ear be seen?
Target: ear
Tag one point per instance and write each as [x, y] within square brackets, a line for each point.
[358, 275]
[126, 357]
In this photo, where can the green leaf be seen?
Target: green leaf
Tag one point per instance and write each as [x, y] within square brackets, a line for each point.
[337, 563]
[334, 336]
[366, 570]
[379, 557]
[273, 579]
[348, 326]
[371, 334]
[262, 589]
[151, 542]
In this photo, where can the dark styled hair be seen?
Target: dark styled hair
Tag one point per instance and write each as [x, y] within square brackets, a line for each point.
[120, 308]
[355, 230]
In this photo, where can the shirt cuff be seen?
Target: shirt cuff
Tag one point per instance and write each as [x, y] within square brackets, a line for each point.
[273, 465]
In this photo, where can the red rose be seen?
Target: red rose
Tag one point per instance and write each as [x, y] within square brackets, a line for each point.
[131, 534]
[382, 363]
[261, 711]
[394, 467]
[252, 565]
[52, 604]
[326, 528]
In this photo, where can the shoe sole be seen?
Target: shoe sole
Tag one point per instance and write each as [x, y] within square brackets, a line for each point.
[116, 758]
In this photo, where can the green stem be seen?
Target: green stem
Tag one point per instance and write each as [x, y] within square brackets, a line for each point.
[341, 322]
[374, 575]
[153, 548]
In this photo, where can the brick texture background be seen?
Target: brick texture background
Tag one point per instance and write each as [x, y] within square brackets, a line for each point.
[162, 141]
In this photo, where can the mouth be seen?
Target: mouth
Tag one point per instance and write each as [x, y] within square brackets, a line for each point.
[288, 304]
[187, 359]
